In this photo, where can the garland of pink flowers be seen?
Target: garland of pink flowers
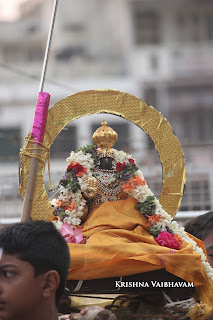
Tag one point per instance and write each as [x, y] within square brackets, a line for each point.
[69, 207]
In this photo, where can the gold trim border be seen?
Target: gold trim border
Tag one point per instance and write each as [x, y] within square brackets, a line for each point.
[128, 107]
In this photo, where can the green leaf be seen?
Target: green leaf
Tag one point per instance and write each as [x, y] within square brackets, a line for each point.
[147, 207]
[155, 231]
[72, 185]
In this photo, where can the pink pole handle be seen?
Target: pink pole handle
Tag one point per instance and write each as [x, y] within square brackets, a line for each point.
[40, 117]
[37, 132]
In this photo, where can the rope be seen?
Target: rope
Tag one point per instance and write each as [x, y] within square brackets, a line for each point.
[32, 153]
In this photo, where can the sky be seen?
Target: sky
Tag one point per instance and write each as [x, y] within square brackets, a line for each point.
[9, 9]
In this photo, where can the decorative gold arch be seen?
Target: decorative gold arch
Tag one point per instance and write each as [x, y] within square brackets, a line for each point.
[128, 107]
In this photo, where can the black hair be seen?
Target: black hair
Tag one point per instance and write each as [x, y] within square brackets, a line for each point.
[201, 226]
[40, 244]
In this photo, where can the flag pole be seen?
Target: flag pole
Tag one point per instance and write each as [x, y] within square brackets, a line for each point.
[38, 128]
[49, 39]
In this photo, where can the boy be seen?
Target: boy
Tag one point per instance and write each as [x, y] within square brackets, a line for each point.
[34, 262]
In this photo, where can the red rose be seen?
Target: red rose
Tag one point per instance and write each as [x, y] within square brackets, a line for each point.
[132, 161]
[120, 166]
[69, 167]
[78, 168]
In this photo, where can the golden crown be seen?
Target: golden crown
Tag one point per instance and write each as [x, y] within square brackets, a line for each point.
[104, 137]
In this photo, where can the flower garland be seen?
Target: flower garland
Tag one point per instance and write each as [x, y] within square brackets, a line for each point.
[69, 207]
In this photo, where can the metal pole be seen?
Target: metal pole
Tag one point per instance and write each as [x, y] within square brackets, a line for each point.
[43, 74]
[32, 176]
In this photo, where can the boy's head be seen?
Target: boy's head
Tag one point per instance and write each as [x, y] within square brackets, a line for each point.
[34, 261]
[202, 228]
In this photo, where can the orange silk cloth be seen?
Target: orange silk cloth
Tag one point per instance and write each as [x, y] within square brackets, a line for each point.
[119, 244]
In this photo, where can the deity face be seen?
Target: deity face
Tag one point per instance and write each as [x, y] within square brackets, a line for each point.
[20, 290]
[208, 240]
[106, 163]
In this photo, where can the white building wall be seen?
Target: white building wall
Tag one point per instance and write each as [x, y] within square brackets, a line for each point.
[110, 58]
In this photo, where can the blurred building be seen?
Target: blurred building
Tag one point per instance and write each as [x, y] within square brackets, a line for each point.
[160, 51]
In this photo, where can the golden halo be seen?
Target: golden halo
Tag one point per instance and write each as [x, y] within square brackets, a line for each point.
[128, 107]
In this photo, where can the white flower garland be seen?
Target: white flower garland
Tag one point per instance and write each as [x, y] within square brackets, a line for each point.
[140, 193]
[73, 217]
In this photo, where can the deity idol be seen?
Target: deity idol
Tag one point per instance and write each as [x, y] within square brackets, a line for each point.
[114, 225]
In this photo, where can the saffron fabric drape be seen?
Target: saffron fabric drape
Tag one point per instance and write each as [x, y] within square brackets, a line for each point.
[119, 244]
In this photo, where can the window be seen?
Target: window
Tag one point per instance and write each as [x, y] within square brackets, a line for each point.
[154, 62]
[192, 113]
[150, 95]
[195, 25]
[209, 26]
[181, 24]
[11, 201]
[9, 144]
[196, 195]
[67, 53]
[191, 97]
[195, 127]
[146, 25]
[64, 143]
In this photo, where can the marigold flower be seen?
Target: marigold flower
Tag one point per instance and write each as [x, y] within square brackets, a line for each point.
[70, 207]
[82, 173]
[155, 218]
[127, 187]
[59, 203]
[138, 181]
[178, 238]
